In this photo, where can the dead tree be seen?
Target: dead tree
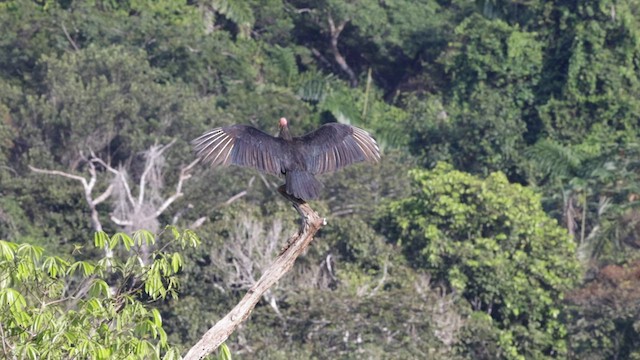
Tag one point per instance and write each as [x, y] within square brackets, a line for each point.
[297, 243]
[141, 211]
[247, 253]
[130, 212]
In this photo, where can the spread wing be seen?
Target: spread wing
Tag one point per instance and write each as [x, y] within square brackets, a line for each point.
[243, 146]
[334, 146]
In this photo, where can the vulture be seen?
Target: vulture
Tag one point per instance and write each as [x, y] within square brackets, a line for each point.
[328, 148]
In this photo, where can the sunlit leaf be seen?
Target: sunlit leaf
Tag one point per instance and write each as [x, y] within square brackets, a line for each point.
[87, 268]
[99, 287]
[100, 239]
[33, 252]
[8, 249]
[176, 262]
[157, 319]
[13, 299]
[223, 352]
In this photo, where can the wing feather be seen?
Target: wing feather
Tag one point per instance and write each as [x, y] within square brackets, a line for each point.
[242, 145]
[334, 146]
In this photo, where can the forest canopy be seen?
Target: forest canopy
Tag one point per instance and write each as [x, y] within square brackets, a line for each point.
[501, 223]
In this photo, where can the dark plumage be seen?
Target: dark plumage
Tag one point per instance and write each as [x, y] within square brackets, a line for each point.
[328, 148]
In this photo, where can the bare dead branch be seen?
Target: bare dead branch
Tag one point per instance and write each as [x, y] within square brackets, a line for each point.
[9, 169]
[104, 196]
[266, 182]
[87, 187]
[196, 224]
[120, 222]
[302, 11]
[60, 173]
[118, 173]
[335, 31]
[184, 175]
[140, 210]
[93, 178]
[66, 33]
[178, 214]
[153, 155]
[311, 223]
[130, 212]
[235, 197]
[240, 194]
[383, 278]
[321, 57]
[190, 166]
[88, 195]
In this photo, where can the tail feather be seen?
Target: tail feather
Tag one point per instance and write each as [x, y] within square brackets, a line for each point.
[302, 185]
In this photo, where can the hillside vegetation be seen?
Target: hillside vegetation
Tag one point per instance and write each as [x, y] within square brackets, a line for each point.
[503, 221]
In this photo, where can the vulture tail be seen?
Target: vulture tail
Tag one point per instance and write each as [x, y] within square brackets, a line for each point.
[302, 185]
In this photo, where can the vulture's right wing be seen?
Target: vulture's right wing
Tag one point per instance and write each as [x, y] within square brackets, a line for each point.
[334, 146]
[242, 145]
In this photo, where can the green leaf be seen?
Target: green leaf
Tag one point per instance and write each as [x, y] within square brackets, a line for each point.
[224, 353]
[8, 250]
[99, 287]
[176, 262]
[33, 252]
[87, 268]
[117, 237]
[144, 236]
[174, 231]
[31, 351]
[172, 354]
[100, 239]
[157, 318]
[40, 321]
[284, 59]
[51, 267]
[191, 237]
[12, 299]
[142, 348]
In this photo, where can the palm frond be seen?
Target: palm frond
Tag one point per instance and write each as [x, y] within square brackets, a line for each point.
[554, 159]
[313, 87]
[342, 106]
[284, 59]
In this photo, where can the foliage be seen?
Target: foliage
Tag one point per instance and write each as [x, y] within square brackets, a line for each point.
[490, 241]
[237, 11]
[606, 313]
[53, 307]
[596, 45]
[103, 99]
[597, 200]
[376, 36]
[480, 123]
[544, 92]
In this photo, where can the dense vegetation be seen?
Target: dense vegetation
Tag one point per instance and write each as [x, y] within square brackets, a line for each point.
[502, 223]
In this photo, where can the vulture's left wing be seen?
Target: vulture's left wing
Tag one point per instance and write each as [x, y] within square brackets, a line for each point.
[334, 146]
[242, 145]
